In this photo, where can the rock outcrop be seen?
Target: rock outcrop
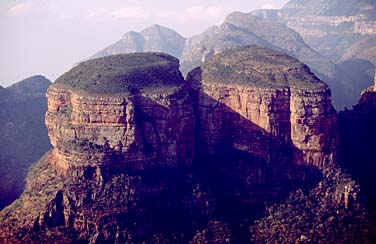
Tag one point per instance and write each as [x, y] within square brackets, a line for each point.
[265, 103]
[147, 123]
[140, 155]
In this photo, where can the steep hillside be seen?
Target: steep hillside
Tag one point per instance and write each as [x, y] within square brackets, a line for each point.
[23, 133]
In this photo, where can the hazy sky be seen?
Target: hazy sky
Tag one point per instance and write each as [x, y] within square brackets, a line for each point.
[48, 36]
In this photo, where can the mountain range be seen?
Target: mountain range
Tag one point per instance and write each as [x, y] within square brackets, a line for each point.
[327, 44]
[156, 38]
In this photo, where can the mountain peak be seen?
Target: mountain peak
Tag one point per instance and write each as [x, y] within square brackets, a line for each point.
[156, 26]
[33, 84]
[155, 38]
[160, 31]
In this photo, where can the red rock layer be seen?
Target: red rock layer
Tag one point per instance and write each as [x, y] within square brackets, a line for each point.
[140, 131]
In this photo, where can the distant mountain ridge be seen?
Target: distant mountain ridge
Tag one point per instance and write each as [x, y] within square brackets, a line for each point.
[331, 27]
[155, 38]
[305, 29]
[241, 29]
[238, 29]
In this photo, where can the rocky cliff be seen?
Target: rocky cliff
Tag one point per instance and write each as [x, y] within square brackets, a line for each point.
[145, 121]
[22, 109]
[142, 156]
[265, 103]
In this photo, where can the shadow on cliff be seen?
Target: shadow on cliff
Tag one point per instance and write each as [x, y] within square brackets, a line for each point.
[229, 185]
[242, 181]
[357, 144]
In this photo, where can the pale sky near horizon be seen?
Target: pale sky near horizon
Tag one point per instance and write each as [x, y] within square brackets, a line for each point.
[48, 36]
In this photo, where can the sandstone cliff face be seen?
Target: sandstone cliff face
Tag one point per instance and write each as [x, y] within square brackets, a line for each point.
[292, 119]
[138, 130]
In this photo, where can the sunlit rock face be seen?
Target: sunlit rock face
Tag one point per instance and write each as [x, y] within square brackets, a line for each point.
[267, 104]
[138, 127]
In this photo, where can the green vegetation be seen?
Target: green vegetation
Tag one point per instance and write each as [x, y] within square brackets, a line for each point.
[124, 73]
[319, 216]
[259, 66]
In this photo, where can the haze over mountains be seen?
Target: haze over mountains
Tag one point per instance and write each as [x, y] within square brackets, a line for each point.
[327, 44]
[331, 27]
[156, 38]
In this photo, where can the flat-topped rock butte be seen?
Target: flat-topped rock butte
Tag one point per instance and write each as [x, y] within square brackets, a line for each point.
[120, 124]
[135, 107]
[279, 107]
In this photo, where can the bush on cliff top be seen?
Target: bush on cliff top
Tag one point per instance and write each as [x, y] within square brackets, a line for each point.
[124, 73]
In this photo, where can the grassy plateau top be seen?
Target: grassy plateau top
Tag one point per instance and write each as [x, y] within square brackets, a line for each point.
[259, 66]
[125, 73]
